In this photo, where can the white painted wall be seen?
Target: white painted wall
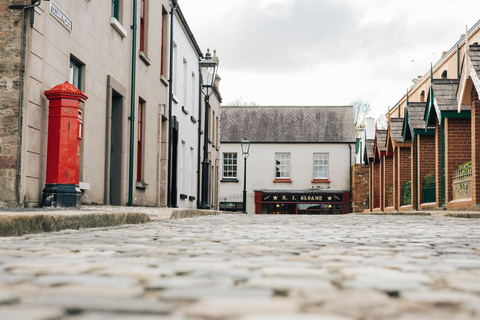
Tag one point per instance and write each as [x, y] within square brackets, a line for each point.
[261, 167]
[186, 95]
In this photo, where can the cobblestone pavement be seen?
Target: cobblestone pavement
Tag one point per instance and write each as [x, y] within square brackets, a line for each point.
[246, 267]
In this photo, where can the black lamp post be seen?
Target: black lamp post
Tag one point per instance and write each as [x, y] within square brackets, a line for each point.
[245, 149]
[208, 70]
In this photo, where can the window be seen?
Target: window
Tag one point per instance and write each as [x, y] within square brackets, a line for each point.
[142, 25]
[141, 107]
[76, 73]
[444, 74]
[282, 166]
[422, 96]
[116, 9]
[162, 50]
[230, 165]
[320, 166]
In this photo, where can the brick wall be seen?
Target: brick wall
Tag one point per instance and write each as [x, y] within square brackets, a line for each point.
[388, 181]
[382, 183]
[376, 182]
[10, 42]
[395, 178]
[426, 160]
[360, 187]
[458, 149]
[475, 147]
[438, 163]
[404, 171]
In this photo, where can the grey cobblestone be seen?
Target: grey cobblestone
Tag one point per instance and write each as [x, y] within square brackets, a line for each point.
[244, 267]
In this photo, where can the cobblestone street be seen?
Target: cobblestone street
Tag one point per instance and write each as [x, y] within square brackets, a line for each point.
[247, 267]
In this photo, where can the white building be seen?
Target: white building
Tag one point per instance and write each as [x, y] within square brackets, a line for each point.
[299, 160]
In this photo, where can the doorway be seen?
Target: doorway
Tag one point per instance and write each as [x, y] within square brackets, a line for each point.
[116, 150]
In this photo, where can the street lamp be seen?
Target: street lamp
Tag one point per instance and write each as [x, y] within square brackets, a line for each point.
[208, 70]
[245, 149]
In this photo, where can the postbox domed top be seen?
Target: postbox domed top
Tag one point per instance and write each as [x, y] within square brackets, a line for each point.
[65, 90]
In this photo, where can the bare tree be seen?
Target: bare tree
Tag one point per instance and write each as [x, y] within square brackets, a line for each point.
[360, 111]
[382, 122]
[240, 102]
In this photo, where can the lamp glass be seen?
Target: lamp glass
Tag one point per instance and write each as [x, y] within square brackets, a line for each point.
[208, 70]
[245, 147]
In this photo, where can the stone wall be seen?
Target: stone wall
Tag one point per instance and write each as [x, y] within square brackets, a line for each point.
[10, 72]
[360, 185]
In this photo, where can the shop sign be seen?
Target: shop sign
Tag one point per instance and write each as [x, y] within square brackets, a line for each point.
[302, 197]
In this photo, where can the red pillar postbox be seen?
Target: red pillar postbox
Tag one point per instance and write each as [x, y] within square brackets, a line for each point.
[65, 131]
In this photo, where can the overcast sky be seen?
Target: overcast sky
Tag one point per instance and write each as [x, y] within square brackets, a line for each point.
[326, 52]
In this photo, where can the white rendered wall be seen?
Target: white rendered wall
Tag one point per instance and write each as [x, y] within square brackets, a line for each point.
[185, 89]
[261, 167]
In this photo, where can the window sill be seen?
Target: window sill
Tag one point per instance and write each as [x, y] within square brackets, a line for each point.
[175, 99]
[229, 180]
[191, 198]
[192, 118]
[185, 110]
[141, 185]
[144, 58]
[164, 80]
[320, 181]
[282, 181]
[183, 196]
[118, 27]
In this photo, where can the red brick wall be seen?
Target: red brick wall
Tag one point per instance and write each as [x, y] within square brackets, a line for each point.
[438, 163]
[404, 169]
[458, 149]
[388, 179]
[382, 183]
[395, 178]
[426, 160]
[360, 187]
[376, 182]
[475, 147]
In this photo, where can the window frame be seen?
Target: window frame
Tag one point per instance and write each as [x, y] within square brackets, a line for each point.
[143, 31]
[77, 68]
[116, 9]
[279, 157]
[315, 176]
[140, 138]
[234, 166]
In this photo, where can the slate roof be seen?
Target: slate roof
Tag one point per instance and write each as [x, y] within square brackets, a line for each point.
[445, 91]
[382, 140]
[475, 57]
[287, 124]
[416, 111]
[370, 145]
[396, 127]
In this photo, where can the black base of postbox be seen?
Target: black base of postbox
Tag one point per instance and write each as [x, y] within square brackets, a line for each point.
[62, 196]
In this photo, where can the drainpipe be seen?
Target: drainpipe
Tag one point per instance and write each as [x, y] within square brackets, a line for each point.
[351, 195]
[132, 103]
[170, 103]
[416, 173]
[20, 99]
[199, 135]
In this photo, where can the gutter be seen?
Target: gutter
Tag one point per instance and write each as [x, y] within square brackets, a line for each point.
[132, 103]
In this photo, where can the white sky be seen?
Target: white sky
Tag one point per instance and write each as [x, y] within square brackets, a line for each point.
[326, 52]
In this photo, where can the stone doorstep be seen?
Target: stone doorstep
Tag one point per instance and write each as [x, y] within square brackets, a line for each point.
[18, 222]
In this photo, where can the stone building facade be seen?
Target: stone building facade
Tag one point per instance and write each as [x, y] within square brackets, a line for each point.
[124, 152]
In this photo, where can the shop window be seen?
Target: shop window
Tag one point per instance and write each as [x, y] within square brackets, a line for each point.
[75, 77]
[230, 165]
[282, 165]
[320, 166]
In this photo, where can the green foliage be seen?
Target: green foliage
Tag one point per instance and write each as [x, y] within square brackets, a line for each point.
[463, 168]
[429, 180]
[390, 190]
[407, 193]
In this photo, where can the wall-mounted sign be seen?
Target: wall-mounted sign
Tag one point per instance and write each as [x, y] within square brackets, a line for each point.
[54, 11]
[301, 197]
